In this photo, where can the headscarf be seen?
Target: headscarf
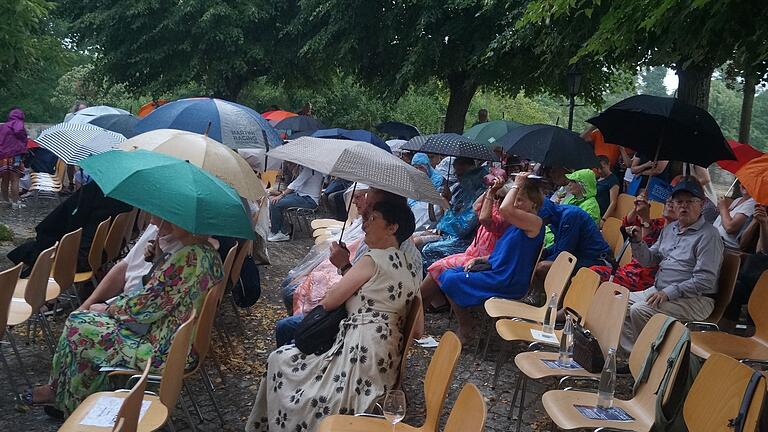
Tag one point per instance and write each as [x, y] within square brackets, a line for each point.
[13, 136]
[421, 159]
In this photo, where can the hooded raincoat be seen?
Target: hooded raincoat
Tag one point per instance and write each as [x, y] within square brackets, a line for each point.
[13, 136]
[574, 232]
[586, 178]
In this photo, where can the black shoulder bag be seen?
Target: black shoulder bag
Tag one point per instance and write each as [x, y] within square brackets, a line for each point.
[317, 331]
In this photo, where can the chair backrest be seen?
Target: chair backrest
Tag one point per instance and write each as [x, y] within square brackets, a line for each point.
[409, 334]
[65, 261]
[96, 254]
[173, 372]
[114, 241]
[8, 279]
[624, 205]
[37, 284]
[612, 234]
[202, 342]
[605, 316]
[559, 275]
[237, 265]
[468, 412]
[715, 396]
[130, 410]
[757, 305]
[60, 171]
[269, 177]
[119, 426]
[439, 377]
[581, 291]
[725, 285]
[626, 258]
[128, 234]
[657, 209]
[538, 260]
[142, 220]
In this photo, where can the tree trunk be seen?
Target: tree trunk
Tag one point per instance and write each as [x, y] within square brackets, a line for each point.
[695, 81]
[462, 90]
[745, 122]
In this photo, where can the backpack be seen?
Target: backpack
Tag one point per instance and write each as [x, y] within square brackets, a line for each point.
[247, 290]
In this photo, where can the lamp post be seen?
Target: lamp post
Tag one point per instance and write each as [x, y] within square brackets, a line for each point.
[574, 82]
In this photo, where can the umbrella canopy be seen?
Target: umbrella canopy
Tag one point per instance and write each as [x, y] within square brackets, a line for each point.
[664, 128]
[752, 177]
[72, 142]
[450, 144]
[299, 123]
[399, 130]
[743, 152]
[275, 117]
[354, 135]
[150, 106]
[360, 162]
[119, 123]
[549, 145]
[210, 155]
[174, 190]
[233, 125]
[87, 114]
[490, 132]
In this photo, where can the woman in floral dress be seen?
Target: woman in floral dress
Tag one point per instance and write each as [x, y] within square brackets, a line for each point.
[298, 389]
[137, 326]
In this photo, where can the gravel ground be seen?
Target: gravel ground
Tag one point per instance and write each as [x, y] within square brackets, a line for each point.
[242, 361]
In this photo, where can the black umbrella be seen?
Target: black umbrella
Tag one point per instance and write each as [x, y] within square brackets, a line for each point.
[299, 123]
[450, 144]
[120, 123]
[552, 146]
[398, 130]
[664, 128]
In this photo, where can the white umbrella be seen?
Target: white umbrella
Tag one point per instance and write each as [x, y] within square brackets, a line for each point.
[90, 113]
[72, 142]
[360, 162]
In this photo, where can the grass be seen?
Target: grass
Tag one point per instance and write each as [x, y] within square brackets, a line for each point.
[5, 233]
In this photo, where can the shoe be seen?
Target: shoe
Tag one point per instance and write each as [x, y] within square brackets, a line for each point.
[278, 237]
[18, 205]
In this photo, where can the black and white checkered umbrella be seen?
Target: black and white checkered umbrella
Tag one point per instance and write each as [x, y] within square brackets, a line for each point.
[450, 144]
[72, 142]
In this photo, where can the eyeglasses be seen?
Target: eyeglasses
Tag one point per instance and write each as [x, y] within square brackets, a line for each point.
[685, 202]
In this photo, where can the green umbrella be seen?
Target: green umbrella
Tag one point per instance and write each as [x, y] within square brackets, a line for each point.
[172, 189]
[489, 132]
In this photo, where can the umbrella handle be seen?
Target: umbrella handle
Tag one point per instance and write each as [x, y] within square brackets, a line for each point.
[266, 146]
[349, 208]
[731, 188]
[207, 129]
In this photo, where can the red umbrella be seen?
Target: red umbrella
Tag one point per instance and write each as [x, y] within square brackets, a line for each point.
[275, 117]
[32, 144]
[744, 153]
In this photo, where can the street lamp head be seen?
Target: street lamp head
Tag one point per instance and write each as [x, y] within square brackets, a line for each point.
[574, 77]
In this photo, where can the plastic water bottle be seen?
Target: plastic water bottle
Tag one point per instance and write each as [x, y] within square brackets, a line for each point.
[607, 381]
[566, 344]
[549, 319]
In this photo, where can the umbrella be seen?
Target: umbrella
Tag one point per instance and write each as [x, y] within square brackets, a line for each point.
[752, 177]
[490, 132]
[360, 162]
[231, 124]
[395, 146]
[274, 117]
[210, 155]
[549, 145]
[87, 114]
[299, 123]
[354, 135]
[743, 152]
[72, 142]
[664, 128]
[399, 130]
[172, 189]
[450, 144]
[119, 123]
[148, 107]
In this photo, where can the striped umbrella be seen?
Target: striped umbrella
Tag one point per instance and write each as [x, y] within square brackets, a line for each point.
[72, 142]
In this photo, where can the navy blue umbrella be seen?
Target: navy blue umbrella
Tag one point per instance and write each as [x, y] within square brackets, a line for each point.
[552, 146]
[353, 135]
[300, 123]
[123, 124]
[398, 129]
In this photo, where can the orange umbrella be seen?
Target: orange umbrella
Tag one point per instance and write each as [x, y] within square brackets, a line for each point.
[744, 153]
[274, 117]
[150, 106]
[752, 177]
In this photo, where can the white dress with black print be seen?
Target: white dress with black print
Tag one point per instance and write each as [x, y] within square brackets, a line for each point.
[298, 390]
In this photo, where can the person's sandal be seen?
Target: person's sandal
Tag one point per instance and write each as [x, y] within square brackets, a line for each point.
[26, 398]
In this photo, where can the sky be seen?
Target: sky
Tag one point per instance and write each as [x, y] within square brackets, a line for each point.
[670, 81]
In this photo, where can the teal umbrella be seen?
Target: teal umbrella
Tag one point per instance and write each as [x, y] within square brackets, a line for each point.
[489, 132]
[172, 189]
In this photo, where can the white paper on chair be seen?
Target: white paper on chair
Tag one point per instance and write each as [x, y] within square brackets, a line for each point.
[540, 336]
[427, 342]
[105, 409]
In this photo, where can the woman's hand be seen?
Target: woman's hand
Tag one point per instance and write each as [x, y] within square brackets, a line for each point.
[723, 203]
[494, 188]
[468, 265]
[521, 178]
[760, 215]
[642, 209]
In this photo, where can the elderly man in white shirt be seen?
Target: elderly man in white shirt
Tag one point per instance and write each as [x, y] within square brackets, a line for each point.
[303, 192]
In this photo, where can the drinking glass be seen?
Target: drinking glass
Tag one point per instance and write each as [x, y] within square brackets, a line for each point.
[394, 407]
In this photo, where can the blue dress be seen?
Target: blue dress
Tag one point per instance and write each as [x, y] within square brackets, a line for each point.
[512, 262]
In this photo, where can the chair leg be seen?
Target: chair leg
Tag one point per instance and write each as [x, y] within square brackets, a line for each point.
[239, 320]
[483, 329]
[187, 414]
[209, 388]
[47, 332]
[518, 382]
[216, 364]
[501, 358]
[22, 369]
[11, 379]
[522, 404]
[194, 402]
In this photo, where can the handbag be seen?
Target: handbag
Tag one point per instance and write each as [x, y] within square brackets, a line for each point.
[247, 290]
[317, 331]
[586, 349]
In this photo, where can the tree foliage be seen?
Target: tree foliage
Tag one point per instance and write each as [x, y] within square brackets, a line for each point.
[22, 35]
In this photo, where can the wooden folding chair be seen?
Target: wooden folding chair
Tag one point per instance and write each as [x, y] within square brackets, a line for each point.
[234, 277]
[47, 185]
[142, 220]
[657, 209]
[8, 279]
[714, 399]
[726, 282]
[703, 344]
[95, 254]
[65, 267]
[409, 331]
[604, 320]
[436, 383]
[129, 225]
[269, 178]
[559, 404]
[469, 412]
[579, 297]
[114, 241]
[28, 307]
[624, 205]
[612, 234]
[127, 417]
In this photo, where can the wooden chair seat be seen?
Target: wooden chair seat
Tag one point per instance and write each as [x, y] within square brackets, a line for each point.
[531, 364]
[326, 223]
[154, 418]
[511, 330]
[83, 276]
[52, 290]
[338, 423]
[20, 312]
[559, 404]
[504, 308]
[703, 344]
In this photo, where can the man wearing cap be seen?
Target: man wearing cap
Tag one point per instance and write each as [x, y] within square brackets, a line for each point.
[688, 252]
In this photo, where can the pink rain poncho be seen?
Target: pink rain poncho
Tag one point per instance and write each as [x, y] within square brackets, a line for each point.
[13, 136]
